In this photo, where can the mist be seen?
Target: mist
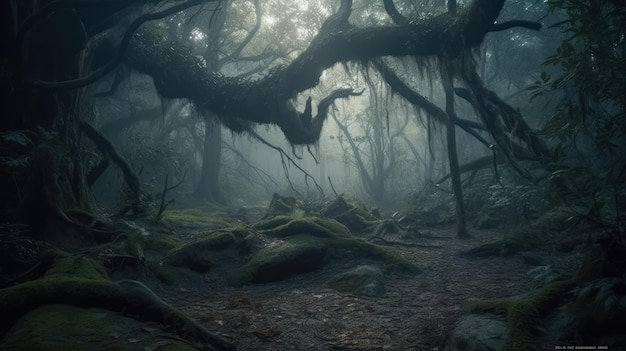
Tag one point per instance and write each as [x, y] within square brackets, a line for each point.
[320, 175]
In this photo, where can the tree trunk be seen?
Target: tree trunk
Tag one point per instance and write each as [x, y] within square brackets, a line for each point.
[55, 180]
[455, 175]
[209, 186]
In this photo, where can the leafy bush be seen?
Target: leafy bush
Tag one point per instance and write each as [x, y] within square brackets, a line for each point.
[588, 129]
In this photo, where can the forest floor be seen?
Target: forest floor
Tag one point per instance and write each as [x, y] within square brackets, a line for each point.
[301, 313]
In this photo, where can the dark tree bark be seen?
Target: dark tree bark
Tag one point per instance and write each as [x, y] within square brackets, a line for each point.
[453, 161]
[51, 50]
[107, 148]
[209, 186]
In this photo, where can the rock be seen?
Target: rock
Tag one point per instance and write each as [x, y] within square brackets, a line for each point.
[362, 280]
[297, 254]
[478, 332]
[280, 205]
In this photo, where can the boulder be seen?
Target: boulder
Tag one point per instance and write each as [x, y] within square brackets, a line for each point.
[478, 332]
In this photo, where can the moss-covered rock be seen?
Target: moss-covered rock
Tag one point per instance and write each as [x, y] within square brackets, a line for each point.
[280, 205]
[362, 280]
[194, 215]
[298, 254]
[337, 236]
[351, 214]
[476, 332]
[200, 256]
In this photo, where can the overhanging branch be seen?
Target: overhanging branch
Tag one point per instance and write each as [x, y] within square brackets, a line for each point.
[178, 74]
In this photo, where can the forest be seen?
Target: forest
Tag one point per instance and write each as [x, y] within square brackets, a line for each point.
[312, 175]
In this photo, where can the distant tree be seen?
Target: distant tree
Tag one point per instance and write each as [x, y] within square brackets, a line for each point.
[375, 147]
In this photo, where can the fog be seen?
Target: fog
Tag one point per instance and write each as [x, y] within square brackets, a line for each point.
[312, 175]
[387, 149]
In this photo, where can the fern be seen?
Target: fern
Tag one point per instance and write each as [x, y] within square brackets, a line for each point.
[608, 293]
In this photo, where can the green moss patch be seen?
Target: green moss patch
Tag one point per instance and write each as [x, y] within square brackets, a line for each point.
[523, 314]
[194, 215]
[302, 245]
[81, 282]
[527, 236]
[352, 214]
[201, 256]
[64, 327]
[299, 254]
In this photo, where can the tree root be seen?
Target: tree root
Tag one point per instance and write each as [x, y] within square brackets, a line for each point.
[81, 282]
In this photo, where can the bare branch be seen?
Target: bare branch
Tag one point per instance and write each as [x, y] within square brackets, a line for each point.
[283, 156]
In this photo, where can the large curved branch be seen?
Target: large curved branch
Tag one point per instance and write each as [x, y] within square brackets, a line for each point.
[178, 74]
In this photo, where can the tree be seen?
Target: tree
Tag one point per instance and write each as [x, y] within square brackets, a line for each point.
[374, 151]
[38, 84]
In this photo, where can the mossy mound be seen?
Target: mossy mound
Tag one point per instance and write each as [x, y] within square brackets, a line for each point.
[201, 255]
[352, 214]
[527, 236]
[300, 244]
[64, 327]
[336, 235]
[82, 282]
[298, 254]
[194, 215]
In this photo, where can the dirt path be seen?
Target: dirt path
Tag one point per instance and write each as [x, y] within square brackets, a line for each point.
[302, 314]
